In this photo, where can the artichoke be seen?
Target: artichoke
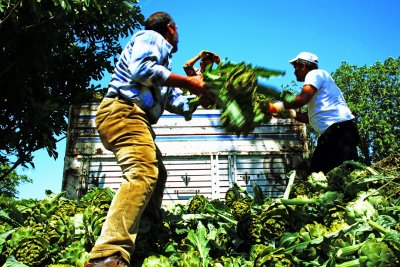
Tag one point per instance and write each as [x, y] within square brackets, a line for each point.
[156, 261]
[359, 210]
[93, 219]
[59, 230]
[317, 181]
[230, 262]
[275, 220]
[74, 254]
[231, 195]
[249, 228]
[307, 234]
[275, 259]
[191, 258]
[377, 254]
[373, 253]
[33, 251]
[240, 208]
[196, 204]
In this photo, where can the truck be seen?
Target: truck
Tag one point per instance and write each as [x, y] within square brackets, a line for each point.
[199, 155]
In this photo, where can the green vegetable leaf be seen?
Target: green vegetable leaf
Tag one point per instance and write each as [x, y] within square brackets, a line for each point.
[199, 240]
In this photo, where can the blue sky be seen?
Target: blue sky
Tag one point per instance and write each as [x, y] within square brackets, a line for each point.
[264, 33]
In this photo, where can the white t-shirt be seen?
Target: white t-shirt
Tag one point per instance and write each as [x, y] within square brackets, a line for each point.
[328, 105]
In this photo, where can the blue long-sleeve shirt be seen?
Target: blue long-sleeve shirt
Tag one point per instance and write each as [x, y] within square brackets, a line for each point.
[144, 65]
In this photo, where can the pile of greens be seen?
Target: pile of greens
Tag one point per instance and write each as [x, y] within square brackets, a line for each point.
[55, 231]
[348, 217]
[235, 89]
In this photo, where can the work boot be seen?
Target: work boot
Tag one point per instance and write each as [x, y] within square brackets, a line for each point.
[112, 261]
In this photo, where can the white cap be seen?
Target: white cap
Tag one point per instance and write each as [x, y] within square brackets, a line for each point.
[305, 56]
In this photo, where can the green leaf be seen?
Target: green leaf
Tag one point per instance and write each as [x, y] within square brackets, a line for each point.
[199, 240]
[12, 262]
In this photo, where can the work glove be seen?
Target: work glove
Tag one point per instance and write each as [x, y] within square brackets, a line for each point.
[276, 107]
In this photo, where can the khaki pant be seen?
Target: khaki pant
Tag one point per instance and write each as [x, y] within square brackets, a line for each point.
[124, 129]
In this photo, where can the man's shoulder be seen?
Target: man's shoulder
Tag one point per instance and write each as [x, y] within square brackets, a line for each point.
[145, 34]
[320, 73]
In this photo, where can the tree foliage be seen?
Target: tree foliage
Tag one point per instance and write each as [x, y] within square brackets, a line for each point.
[8, 186]
[50, 53]
[373, 95]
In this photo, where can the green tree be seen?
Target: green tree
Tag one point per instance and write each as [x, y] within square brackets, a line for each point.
[8, 186]
[373, 94]
[51, 52]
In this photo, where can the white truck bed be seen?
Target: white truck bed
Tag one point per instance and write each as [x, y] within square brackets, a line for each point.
[200, 157]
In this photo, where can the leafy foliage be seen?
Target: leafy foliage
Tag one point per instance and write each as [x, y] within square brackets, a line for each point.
[235, 88]
[51, 53]
[55, 230]
[8, 186]
[373, 94]
[326, 225]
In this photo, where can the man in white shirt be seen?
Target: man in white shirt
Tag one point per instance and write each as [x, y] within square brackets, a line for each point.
[327, 112]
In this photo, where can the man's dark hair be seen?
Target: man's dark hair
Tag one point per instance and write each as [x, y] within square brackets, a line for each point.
[159, 22]
[309, 65]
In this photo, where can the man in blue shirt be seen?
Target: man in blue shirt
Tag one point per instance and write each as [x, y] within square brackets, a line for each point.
[141, 88]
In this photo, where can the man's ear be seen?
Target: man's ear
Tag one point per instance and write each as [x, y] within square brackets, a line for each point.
[170, 32]
[171, 28]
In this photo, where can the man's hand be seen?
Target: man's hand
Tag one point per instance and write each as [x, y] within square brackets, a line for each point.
[207, 101]
[207, 54]
[204, 53]
[206, 98]
[276, 107]
[196, 84]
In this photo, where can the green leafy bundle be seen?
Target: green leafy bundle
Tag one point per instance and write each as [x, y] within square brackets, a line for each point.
[235, 89]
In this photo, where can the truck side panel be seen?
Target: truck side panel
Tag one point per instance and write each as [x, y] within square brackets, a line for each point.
[200, 157]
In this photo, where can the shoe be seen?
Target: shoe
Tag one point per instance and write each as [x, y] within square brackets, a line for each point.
[112, 261]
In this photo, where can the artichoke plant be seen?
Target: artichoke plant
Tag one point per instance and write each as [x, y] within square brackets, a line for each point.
[32, 251]
[317, 225]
